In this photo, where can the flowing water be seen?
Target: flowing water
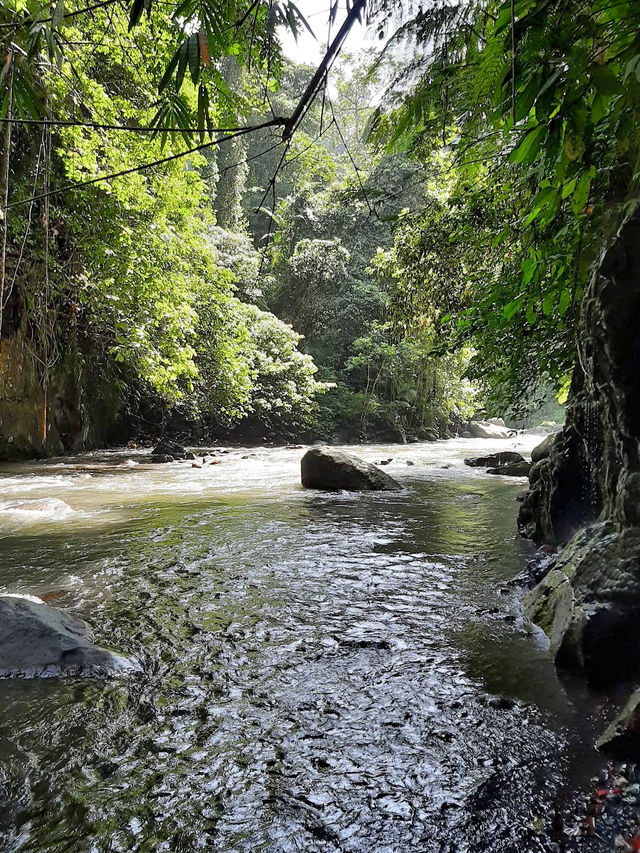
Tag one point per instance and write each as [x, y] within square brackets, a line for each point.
[318, 671]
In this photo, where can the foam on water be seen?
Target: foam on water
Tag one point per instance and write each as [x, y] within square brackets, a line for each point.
[25, 510]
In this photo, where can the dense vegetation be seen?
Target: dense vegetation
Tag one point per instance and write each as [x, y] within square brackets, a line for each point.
[431, 250]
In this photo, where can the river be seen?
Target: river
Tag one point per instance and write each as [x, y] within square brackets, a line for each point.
[318, 671]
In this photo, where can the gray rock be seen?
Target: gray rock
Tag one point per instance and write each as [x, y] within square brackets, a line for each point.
[327, 468]
[161, 458]
[496, 421]
[493, 460]
[542, 450]
[622, 737]
[513, 469]
[37, 640]
[485, 429]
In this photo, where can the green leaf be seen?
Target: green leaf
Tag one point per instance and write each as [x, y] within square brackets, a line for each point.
[58, 15]
[137, 8]
[565, 302]
[527, 149]
[581, 193]
[633, 67]
[547, 197]
[183, 58]
[193, 48]
[529, 267]
[502, 236]
[512, 308]
[598, 108]
[604, 80]
[503, 21]
[168, 74]
[526, 98]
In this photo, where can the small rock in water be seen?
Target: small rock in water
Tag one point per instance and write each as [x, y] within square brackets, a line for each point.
[501, 702]
[169, 448]
[159, 459]
[410, 463]
[495, 460]
[514, 469]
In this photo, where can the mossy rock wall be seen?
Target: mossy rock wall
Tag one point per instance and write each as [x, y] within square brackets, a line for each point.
[77, 412]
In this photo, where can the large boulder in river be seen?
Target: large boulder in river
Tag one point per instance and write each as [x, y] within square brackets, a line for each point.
[37, 640]
[486, 429]
[327, 468]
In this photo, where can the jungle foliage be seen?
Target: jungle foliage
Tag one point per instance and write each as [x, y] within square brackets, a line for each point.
[186, 209]
[524, 115]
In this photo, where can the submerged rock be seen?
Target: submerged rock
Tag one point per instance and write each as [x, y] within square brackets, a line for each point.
[622, 737]
[327, 468]
[513, 469]
[37, 640]
[494, 460]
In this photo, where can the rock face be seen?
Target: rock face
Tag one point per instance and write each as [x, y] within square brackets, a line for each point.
[327, 468]
[541, 451]
[82, 402]
[592, 470]
[41, 641]
[585, 484]
[589, 603]
[622, 737]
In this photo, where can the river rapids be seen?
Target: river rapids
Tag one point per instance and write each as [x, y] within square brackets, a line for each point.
[318, 671]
